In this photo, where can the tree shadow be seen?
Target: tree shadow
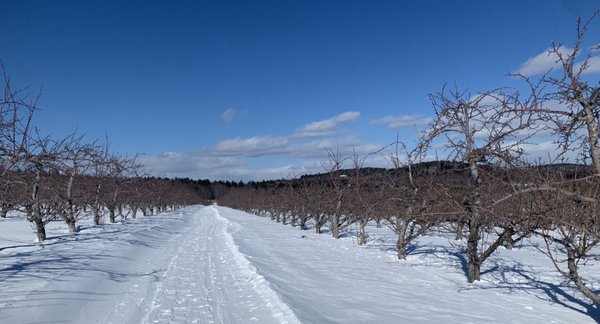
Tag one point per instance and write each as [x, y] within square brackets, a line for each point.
[68, 256]
[527, 282]
[502, 273]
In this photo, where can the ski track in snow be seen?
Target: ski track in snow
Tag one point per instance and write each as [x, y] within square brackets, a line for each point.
[177, 267]
[210, 281]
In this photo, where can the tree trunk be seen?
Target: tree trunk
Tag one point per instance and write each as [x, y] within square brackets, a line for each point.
[401, 248]
[71, 225]
[96, 206]
[473, 271]
[3, 212]
[111, 215]
[40, 229]
[401, 242]
[34, 211]
[334, 224]
[96, 210]
[474, 225]
[133, 211]
[69, 216]
[574, 276]
[335, 219]
[335, 229]
[473, 261]
[510, 243]
[362, 235]
[593, 136]
[509, 240]
[459, 231]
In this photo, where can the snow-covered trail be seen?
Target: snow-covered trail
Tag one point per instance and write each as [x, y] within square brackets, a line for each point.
[209, 281]
[177, 267]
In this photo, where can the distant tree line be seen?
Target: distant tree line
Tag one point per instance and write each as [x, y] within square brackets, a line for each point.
[212, 190]
[488, 193]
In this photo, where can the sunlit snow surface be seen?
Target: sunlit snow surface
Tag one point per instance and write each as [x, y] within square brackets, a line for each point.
[218, 265]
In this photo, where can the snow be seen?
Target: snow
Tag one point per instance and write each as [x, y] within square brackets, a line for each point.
[218, 265]
[209, 281]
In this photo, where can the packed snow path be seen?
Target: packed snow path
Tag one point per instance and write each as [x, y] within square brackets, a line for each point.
[177, 267]
[209, 281]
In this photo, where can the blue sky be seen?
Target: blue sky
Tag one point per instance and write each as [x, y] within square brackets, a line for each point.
[241, 90]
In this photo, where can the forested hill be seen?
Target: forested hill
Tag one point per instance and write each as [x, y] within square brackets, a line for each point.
[213, 190]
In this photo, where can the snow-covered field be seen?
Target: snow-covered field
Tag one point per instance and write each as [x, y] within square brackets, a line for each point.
[218, 265]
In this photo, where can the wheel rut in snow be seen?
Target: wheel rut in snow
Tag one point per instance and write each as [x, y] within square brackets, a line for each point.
[210, 281]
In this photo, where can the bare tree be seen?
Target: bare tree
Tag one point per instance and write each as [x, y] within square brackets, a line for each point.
[76, 160]
[305, 193]
[569, 106]
[16, 113]
[479, 130]
[98, 182]
[338, 186]
[318, 202]
[117, 171]
[41, 161]
[365, 196]
[406, 199]
[570, 206]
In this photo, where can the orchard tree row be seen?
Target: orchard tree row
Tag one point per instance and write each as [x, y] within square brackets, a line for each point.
[50, 178]
[490, 191]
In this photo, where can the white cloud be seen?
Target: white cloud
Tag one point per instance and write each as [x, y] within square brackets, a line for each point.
[178, 164]
[269, 157]
[250, 147]
[284, 172]
[402, 121]
[543, 62]
[541, 149]
[547, 61]
[326, 126]
[347, 116]
[186, 164]
[593, 65]
[548, 151]
[228, 115]
[268, 173]
[318, 149]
